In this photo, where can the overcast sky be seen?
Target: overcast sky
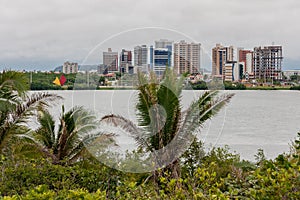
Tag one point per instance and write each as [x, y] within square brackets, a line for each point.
[39, 34]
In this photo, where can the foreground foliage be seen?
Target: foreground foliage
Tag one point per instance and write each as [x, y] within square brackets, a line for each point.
[17, 107]
[67, 143]
[219, 174]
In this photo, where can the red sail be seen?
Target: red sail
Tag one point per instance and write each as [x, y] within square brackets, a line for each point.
[62, 80]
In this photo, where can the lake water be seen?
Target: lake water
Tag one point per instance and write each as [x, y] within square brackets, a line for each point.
[252, 120]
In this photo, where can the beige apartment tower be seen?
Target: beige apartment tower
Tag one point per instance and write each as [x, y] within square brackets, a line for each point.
[110, 60]
[220, 56]
[70, 68]
[187, 57]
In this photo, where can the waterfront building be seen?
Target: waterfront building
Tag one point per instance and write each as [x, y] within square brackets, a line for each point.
[165, 44]
[233, 71]
[228, 71]
[141, 55]
[151, 57]
[289, 73]
[161, 59]
[70, 68]
[187, 57]
[246, 57]
[267, 63]
[249, 63]
[125, 61]
[110, 60]
[240, 72]
[220, 56]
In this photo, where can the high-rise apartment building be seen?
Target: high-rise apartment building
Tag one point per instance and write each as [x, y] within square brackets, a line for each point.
[70, 68]
[125, 61]
[151, 57]
[161, 57]
[249, 63]
[220, 56]
[267, 63]
[110, 60]
[141, 55]
[187, 57]
[245, 56]
[165, 44]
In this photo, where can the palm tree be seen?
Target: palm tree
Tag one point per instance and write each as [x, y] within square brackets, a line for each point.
[13, 81]
[16, 106]
[65, 145]
[163, 129]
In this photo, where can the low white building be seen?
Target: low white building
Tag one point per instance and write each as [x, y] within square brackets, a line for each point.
[289, 73]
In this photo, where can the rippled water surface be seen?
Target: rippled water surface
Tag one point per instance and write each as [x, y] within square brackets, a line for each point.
[253, 119]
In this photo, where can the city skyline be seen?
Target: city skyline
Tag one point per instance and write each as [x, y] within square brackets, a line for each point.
[207, 65]
[43, 35]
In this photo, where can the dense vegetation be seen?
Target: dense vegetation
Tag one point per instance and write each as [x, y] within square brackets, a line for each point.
[234, 86]
[295, 88]
[44, 81]
[200, 85]
[53, 163]
[217, 174]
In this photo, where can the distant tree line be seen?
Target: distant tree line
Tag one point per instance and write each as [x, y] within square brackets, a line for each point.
[44, 81]
[202, 85]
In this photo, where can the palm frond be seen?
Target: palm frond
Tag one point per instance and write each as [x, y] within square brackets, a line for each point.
[13, 132]
[200, 111]
[99, 140]
[128, 126]
[46, 132]
[75, 126]
[36, 100]
[81, 121]
[158, 107]
[215, 106]
[14, 81]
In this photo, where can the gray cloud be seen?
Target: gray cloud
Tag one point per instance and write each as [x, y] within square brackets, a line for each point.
[44, 34]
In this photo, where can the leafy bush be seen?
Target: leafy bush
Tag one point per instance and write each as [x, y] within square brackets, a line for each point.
[16, 178]
[42, 192]
[218, 174]
[201, 85]
[234, 86]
